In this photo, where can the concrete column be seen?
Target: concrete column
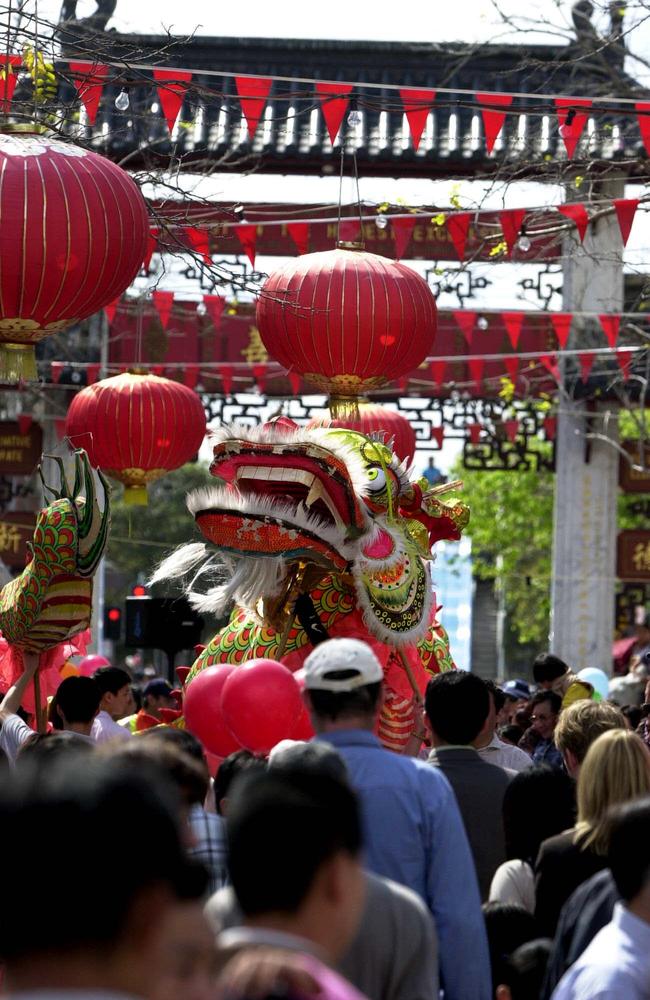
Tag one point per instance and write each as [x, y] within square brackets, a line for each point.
[585, 528]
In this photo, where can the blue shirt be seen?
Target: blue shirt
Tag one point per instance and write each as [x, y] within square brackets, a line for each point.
[414, 834]
[615, 966]
[547, 753]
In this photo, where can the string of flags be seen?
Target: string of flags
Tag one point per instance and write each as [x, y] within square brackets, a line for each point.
[335, 99]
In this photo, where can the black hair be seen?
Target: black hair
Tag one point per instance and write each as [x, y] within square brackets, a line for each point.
[498, 696]
[78, 809]
[552, 697]
[230, 769]
[629, 847]
[634, 715]
[111, 679]
[281, 829]
[457, 704]
[538, 803]
[333, 705]
[508, 926]
[310, 758]
[548, 667]
[77, 699]
[525, 970]
[181, 738]
[46, 747]
[511, 734]
[189, 776]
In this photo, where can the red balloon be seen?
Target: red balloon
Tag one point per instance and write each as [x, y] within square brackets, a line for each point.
[91, 663]
[202, 710]
[261, 704]
[303, 729]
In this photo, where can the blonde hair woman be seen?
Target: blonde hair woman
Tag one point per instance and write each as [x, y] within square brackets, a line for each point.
[615, 770]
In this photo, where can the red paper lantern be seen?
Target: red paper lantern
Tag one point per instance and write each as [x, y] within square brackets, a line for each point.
[202, 710]
[346, 320]
[136, 427]
[73, 235]
[373, 419]
[261, 704]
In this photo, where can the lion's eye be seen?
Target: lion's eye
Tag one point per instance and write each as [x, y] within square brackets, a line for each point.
[376, 480]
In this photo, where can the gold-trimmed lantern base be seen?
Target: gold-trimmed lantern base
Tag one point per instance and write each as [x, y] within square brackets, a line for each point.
[17, 363]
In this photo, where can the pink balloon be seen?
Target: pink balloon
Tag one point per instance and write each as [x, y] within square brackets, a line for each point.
[91, 663]
[202, 710]
[261, 704]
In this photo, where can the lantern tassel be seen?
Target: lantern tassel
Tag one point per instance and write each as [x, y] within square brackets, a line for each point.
[344, 407]
[136, 496]
[17, 363]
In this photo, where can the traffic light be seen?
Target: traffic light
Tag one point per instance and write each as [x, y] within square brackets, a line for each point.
[168, 623]
[113, 623]
[139, 590]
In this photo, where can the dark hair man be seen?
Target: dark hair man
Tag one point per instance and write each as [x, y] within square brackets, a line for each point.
[490, 747]
[617, 962]
[116, 945]
[546, 709]
[115, 687]
[77, 702]
[457, 705]
[413, 831]
[157, 694]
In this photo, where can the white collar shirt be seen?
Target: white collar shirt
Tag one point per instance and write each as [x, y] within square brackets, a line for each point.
[505, 755]
[106, 729]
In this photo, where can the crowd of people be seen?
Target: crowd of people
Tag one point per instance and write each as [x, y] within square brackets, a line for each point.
[505, 854]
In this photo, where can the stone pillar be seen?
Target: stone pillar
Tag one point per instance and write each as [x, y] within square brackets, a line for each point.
[585, 528]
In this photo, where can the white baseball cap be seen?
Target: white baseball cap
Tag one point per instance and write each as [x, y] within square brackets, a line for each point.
[351, 658]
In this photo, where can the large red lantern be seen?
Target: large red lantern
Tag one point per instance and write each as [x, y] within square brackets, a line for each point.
[346, 320]
[374, 419]
[136, 427]
[73, 234]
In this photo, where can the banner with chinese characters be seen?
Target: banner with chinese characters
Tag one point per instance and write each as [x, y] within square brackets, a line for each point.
[20, 451]
[633, 561]
[16, 531]
[632, 480]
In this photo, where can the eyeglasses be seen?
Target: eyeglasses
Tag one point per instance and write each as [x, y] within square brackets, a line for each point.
[540, 718]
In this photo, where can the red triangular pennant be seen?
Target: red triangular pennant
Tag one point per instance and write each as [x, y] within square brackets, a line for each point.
[294, 381]
[438, 435]
[253, 92]
[8, 80]
[571, 130]
[587, 359]
[417, 104]
[511, 429]
[611, 325]
[550, 428]
[247, 236]
[334, 101]
[474, 432]
[438, 371]
[163, 304]
[513, 322]
[512, 366]
[643, 118]
[349, 231]
[549, 361]
[476, 366]
[624, 359]
[214, 305]
[578, 215]
[56, 370]
[458, 228]
[111, 309]
[199, 241]
[493, 120]
[90, 86]
[158, 370]
[511, 223]
[625, 209]
[92, 374]
[172, 86]
[191, 376]
[152, 246]
[299, 233]
[562, 326]
[259, 374]
[402, 230]
[25, 421]
[225, 372]
[466, 320]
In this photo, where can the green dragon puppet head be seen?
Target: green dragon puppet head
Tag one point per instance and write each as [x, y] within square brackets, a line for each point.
[296, 503]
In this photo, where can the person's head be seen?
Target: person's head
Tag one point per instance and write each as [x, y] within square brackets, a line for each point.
[309, 758]
[511, 734]
[523, 973]
[157, 695]
[579, 725]
[615, 770]
[76, 702]
[230, 770]
[516, 695]
[49, 747]
[113, 946]
[548, 670]
[188, 775]
[457, 705]
[343, 685]
[546, 709]
[189, 961]
[629, 854]
[633, 715]
[294, 843]
[115, 687]
[497, 702]
[642, 631]
[183, 739]
[508, 926]
[539, 803]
